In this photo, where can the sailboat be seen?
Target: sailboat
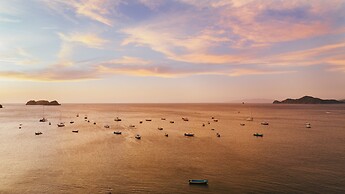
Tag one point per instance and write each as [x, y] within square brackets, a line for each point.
[61, 124]
[43, 118]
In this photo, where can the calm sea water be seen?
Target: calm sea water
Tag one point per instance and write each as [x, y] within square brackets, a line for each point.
[288, 159]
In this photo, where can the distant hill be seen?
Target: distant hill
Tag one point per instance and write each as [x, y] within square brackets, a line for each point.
[43, 102]
[308, 100]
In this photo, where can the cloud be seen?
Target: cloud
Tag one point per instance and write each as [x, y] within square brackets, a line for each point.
[126, 60]
[9, 20]
[100, 11]
[89, 40]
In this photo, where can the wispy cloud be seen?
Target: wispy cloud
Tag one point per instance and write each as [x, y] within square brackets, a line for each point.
[96, 10]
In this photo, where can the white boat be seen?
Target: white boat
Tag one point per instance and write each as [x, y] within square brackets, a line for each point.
[61, 124]
[137, 136]
[250, 119]
[307, 125]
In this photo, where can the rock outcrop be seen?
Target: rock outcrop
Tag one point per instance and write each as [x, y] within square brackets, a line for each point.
[43, 102]
[308, 100]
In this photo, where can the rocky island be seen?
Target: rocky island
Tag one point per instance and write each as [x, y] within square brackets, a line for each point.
[43, 102]
[308, 100]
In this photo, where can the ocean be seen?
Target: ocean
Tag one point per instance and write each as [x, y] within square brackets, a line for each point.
[289, 158]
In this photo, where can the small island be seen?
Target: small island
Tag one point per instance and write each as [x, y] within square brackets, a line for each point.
[43, 102]
[308, 100]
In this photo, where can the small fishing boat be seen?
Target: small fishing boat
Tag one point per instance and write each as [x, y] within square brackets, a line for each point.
[61, 124]
[198, 181]
[250, 119]
[148, 119]
[208, 122]
[131, 126]
[117, 132]
[212, 117]
[106, 126]
[166, 135]
[242, 124]
[172, 121]
[203, 124]
[77, 115]
[264, 123]
[185, 119]
[94, 123]
[258, 134]
[218, 135]
[137, 136]
[85, 117]
[215, 120]
[117, 119]
[75, 131]
[160, 128]
[189, 134]
[163, 119]
[43, 120]
[307, 125]
[38, 133]
[50, 123]
[212, 129]
[140, 122]
[71, 122]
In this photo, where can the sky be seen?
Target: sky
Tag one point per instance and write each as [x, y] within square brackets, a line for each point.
[157, 51]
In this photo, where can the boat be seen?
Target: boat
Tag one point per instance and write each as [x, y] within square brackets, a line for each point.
[43, 120]
[71, 122]
[106, 126]
[250, 119]
[131, 126]
[160, 128]
[50, 123]
[77, 115]
[61, 124]
[172, 121]
[117, 119]
[264, 123]
[117, 132]
[258, 134]
[198, 181]
[215, 120]
[208, 122]
[38, 133]
[148, 119]
[218, 135]
[94, 123]
[307, 125]
[75, 131]
[212, 129]
[212, 117]
[166, 135]
[163, 119]
[242, 124]
[203, 124]
[185, 119]
[189, 134]
[137, 136]
[85, 117]
[140, 122]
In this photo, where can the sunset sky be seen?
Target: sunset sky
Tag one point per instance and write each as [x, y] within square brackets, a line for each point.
[171, 50]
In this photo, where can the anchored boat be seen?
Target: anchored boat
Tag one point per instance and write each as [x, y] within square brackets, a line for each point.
[198, 181]
[258, 134]
[189, 134]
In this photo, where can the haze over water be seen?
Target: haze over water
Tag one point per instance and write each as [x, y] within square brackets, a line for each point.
[288, 159]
